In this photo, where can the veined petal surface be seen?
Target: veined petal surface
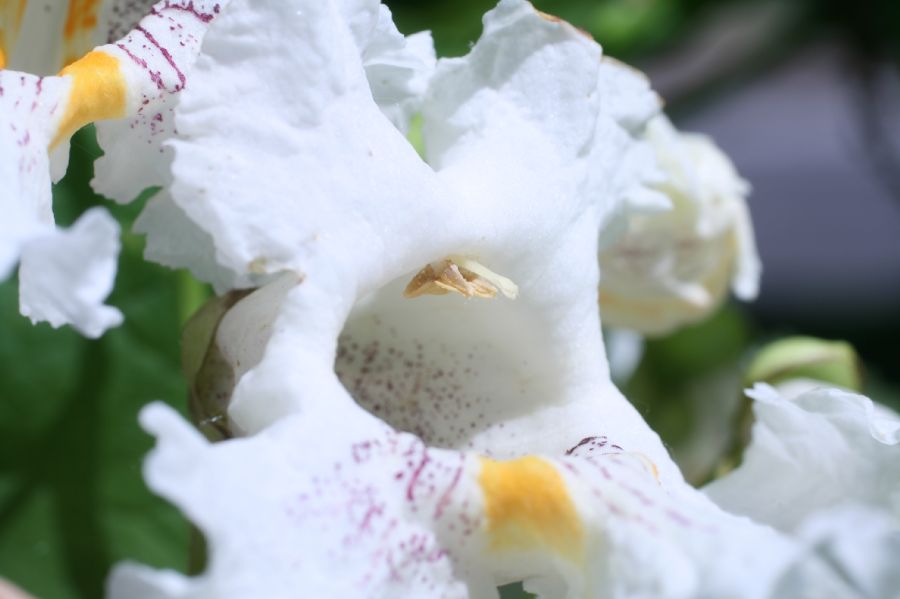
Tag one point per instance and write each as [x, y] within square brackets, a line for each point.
[375, 513]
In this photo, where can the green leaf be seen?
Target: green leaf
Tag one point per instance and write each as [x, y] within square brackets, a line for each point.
[72, 499]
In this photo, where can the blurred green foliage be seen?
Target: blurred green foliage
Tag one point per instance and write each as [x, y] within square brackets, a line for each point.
[72, 500]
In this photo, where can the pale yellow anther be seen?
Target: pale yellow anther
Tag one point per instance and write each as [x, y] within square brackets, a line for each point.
[458, 274]
[528, 507]
[98, 93]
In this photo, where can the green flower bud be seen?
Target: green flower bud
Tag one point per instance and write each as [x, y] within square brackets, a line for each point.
[832, 362]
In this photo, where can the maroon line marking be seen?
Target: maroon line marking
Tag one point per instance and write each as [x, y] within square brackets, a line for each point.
[444, 501]
[165, 54]
[410, 488]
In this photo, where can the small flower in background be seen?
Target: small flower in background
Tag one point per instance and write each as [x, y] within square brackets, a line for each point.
[675, 266]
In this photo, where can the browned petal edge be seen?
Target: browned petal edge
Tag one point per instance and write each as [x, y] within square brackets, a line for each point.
[555, 19]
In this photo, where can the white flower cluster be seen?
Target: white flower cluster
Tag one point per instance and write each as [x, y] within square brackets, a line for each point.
[417, 386]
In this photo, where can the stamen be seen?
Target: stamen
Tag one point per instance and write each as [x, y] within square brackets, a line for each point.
[458, 274]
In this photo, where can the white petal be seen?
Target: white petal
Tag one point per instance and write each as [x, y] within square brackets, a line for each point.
[33, 35]
[861, 544]
[65, 275]
[630, 100]
[282, 521]
[237, 169]
[818, 450]
[156, 59]
[29, 112]
[237, 162]
[374, 513]
[398, 68]
[175, 241]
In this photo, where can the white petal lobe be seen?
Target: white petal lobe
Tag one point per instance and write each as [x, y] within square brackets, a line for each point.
[65, 275]
[814, 452]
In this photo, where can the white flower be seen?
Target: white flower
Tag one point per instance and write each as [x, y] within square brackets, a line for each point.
[673, 267]
[413, 429]
[420, 378]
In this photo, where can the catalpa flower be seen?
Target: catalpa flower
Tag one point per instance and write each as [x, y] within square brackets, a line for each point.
[420, 384]
[417, 392]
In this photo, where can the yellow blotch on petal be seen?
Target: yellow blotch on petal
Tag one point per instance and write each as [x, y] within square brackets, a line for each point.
[458, 274]
[528, 507]
[98, 93]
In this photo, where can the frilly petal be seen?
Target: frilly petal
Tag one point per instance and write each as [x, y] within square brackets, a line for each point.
[64, 275]
[813, 452]
[375, 513]
[156, 59]
[281, 520]
[174, 240]
[398, 68]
